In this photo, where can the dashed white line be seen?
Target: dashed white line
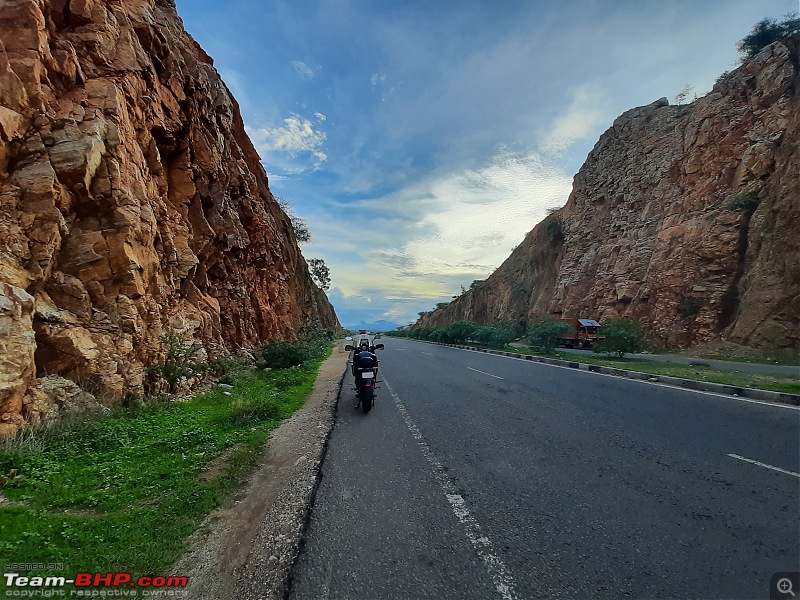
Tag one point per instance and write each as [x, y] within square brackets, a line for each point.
[496, 568]
[766, 466]
[485, 373]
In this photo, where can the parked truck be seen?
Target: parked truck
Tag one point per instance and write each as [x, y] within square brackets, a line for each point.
[583, 333]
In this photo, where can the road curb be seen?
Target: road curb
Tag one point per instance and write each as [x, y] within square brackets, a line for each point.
[692, 384]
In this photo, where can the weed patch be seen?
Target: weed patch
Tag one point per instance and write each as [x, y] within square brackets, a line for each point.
[124, 492]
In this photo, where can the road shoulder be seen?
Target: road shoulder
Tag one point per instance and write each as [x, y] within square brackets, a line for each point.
[247, 550]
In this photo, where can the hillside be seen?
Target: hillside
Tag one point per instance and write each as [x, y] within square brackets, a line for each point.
[684, 217]
[132, 204]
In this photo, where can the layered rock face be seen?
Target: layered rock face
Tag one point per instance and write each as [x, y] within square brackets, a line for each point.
[684, 217]
[132, 203]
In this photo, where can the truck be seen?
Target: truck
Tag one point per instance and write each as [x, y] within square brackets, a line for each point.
[583, 333]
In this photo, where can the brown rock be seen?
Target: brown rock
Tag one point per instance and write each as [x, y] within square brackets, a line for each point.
[53, 397]
[131, 199]
[17, 345]
[684, 217]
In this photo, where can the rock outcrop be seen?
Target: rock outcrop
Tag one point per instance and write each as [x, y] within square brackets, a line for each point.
[132, 203]
[684, 217]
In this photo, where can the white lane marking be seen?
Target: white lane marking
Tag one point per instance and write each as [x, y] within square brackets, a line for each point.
[496, 568]
[485, 373]
[766, 466]
[428, 353]
[666, 385]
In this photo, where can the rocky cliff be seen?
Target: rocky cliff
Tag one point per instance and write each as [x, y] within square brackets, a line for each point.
[132, 203]
[685, 217]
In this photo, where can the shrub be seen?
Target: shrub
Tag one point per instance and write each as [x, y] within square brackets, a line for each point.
[502, 334]
[546, 334]
[743, 202]
[461, 331]
[291, 353]
[689, 307]
[622, 336]
[555, 230]
[765, 32]
[180, 361]
[484, 334]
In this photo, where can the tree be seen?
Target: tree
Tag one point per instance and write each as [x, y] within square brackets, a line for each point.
[555, 230]
[681, 96]
[301, 230]
[622, 336]
[546, 334]
[320, 273]
[461, 331]
[300, 226]
[765, 32]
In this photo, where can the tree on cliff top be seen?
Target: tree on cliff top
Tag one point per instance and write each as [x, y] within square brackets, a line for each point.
[767, 31]
[320, 273]
[300, 226]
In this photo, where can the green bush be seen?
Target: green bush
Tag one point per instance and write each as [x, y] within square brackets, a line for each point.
[180, 360]
[555, 230]
[622, 336]
[546, 334]
[291, 353]
[765, 32]
[743, 202]
[460, 332]
[502, 334]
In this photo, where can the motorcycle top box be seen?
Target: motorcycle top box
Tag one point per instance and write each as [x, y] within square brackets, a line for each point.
[365, 374]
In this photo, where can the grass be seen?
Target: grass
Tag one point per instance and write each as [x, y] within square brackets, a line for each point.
[124, 492]
[782, 356]
[698, 370]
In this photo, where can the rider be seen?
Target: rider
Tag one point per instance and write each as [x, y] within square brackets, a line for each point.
[362, 352]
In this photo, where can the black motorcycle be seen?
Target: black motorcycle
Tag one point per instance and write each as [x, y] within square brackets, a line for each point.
[365, 373]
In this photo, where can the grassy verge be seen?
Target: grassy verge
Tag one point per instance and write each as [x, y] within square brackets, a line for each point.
[784, 357]
[698, 370]
[123, 493]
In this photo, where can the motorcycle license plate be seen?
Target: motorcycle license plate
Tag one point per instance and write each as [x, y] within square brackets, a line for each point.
[367, 375]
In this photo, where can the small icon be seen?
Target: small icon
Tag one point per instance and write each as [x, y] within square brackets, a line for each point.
[783, 585]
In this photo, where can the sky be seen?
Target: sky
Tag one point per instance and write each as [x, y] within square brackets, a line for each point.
[422, 140]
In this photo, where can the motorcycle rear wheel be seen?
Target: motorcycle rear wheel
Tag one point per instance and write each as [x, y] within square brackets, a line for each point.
[367, 398]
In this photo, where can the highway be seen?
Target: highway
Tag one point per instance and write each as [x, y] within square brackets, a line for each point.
[481, 476]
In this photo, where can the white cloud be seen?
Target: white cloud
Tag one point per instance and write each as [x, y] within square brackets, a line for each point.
[586, 112]
[460, 224]
[297, 136]
[305, 71]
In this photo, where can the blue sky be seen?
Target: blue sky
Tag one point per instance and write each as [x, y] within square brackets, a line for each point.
[422, 140]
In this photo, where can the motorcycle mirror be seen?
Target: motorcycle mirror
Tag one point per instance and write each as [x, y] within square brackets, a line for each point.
[379, 347]
[348, 339]
[348, 347]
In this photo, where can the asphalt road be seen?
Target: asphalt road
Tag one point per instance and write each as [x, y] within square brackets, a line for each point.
[480, 476]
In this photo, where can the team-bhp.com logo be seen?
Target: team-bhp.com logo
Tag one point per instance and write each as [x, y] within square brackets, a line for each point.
[25, 586]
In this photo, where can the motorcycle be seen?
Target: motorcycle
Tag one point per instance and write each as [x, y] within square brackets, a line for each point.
[365, 373]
